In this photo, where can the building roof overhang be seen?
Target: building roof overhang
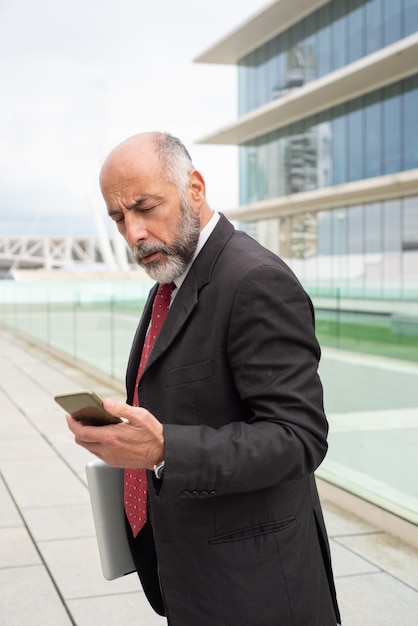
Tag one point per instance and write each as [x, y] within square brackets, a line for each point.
[366, 191]
[258, 29]
[378, 69]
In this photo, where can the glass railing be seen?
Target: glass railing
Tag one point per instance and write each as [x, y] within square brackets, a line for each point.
[369, 370]
[90, 321]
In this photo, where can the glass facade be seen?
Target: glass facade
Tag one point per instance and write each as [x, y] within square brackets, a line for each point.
[335, 35]
[364, 251]
[372, 135]
[358, 262]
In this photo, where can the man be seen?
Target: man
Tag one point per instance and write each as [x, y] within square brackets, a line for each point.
[230, 408]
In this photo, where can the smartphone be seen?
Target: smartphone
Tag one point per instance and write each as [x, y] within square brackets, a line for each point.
[86, 407]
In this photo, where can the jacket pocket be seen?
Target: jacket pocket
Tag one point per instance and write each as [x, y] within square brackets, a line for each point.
[189, 374]
[254, 531]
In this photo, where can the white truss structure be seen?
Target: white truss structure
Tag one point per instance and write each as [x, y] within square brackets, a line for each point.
[49, 252]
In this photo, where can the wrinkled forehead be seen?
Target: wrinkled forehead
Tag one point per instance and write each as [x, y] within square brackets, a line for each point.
[130, 161]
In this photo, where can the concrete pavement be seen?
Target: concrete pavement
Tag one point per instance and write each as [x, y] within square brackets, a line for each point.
[49, 565]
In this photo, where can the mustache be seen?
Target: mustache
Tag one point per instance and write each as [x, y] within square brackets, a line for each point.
[145, 249]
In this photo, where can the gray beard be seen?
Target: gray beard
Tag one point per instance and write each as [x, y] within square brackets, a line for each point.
[177, 255]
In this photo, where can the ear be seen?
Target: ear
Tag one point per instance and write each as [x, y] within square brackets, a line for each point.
[197, 188]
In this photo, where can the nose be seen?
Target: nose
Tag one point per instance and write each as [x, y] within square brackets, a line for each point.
[135, 231]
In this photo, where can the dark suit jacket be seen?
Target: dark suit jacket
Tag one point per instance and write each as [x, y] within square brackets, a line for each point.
[236, 520]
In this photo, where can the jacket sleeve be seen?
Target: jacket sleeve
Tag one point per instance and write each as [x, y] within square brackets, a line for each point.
[273, 356]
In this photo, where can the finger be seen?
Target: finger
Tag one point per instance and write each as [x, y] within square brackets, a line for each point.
[73, 425]
[120, 409]
[83, 433]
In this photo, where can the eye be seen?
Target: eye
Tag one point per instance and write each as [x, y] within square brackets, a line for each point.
[117, 218]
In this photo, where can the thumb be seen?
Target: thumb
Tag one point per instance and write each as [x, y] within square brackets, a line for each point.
[119, 409]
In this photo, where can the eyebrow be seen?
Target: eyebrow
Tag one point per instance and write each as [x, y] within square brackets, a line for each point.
[137, 204]
[140, 201]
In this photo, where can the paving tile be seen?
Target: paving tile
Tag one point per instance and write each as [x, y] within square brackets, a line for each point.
[75, 456]
[49, 421]
[16, 548]
[339, 522]
[9, 513]
[75, 566]
[389, 554]
[107, 611]
[376, 600]
[31, 447]
[45, 482]
[376, 575]
[28, 597]
[9, 410]
[14, 422]
[60, 522]
[13, 380]
[346, 563]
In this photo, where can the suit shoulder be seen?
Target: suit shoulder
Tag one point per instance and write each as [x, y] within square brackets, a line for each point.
[243, 254]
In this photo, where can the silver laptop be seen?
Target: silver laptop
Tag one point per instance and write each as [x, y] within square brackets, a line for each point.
[106, 494]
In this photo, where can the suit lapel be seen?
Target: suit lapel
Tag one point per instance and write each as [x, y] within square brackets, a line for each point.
[137, 343]
[183, 305]
[180, 310]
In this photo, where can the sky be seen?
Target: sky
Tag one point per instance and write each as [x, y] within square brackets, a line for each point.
[79, 76]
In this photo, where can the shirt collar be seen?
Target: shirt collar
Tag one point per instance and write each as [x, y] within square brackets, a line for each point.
[203, 237]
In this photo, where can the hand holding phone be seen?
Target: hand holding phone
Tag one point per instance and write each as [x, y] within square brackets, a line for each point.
[86, 407]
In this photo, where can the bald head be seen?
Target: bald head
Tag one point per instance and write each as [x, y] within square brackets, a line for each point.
[162, 152]
[157, 200]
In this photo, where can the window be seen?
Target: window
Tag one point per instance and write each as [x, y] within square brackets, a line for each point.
[323, 154]
[392, 256]
[410, 123]
[392, 12]
[373, 245]
[339, 146]
[392, 141]
[308, 48]
[410, 17]
[410, 244]
[410, 225]
[355, 230]
[323, 41]
[339, 35]
[373, 21]
[373, 141]
[373, 238]
[391, 226]
[295, 166]
[324, 233]
[355, 136]
[355, 31]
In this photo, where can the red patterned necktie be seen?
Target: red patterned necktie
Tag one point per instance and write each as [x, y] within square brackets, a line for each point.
[135, 480]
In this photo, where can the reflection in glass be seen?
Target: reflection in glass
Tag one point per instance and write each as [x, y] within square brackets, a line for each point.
[410, 17]
[410, 123]
[339, 153]
[355, 135]
[392, 135]
[392, 15]
[364, 251]
[323, 41]
[373, 135]
[392, 246]
[355, 30]
[373, 31]
[373, 248]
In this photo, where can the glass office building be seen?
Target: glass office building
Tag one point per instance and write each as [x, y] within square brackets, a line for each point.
[328, 140]
[327, 135]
